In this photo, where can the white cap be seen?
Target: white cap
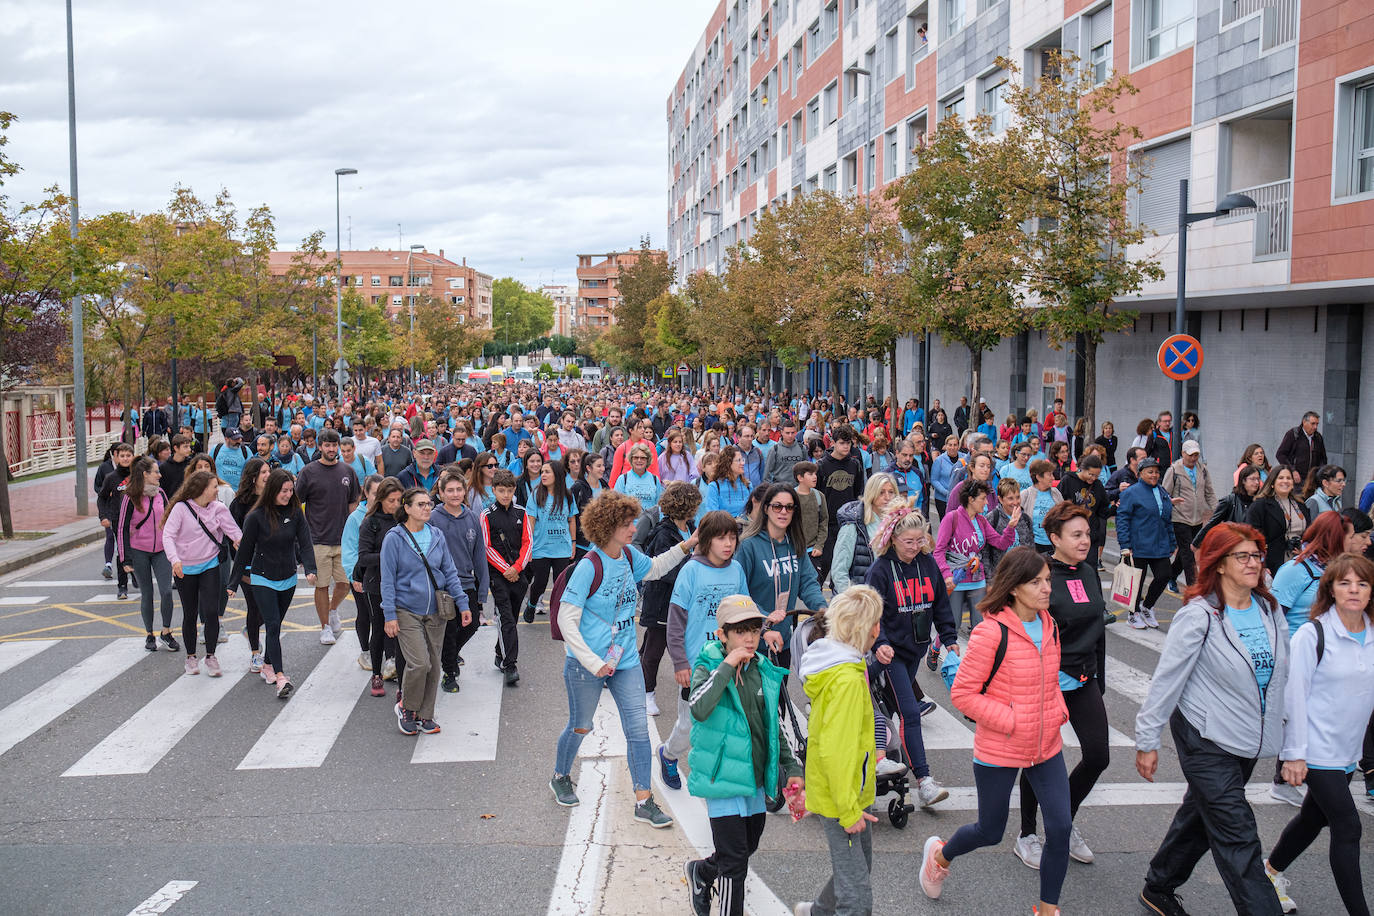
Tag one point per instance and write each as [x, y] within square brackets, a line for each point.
[1191, 447]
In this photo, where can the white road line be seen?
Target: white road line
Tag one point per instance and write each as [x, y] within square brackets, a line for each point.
[30, 713]
[16, 653]
[579, 868]
[607, 738]
[1114, 737]
[471, 718]
[305, 730]
[104, 599]
[943, 730]
[1116, 794]
[1131, 683]
[20, 600]
[145, 737]
[162, 901]
[1150, 639]
[60, 583]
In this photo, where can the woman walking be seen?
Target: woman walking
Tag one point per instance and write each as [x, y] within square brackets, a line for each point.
[1280, 517]
[1324, 489]
[964, 531]
[552, 511]
[141, 549]
[859, 521]
[1234, 505]
[380, 519]
[678, 508]
[275, 539]
[676, 462]
[255, 474]
[729, 488]
[196, 531]
[461, 527]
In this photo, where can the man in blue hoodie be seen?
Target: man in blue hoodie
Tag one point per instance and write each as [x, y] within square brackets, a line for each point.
[1145, 531]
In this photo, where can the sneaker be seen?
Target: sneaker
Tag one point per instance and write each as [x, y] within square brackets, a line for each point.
[563, 791]
[1281, 888]
[802, 909]
[529, 614]
[255, 664]
[223, 635]
[335, 623]
[212, 666]
[698, 891]
[1109, 617]
[269, 676]
[1162, 902]
[925, 707]
[512, 676]
[407, 724]
[123, 595]
[1292, 795]
[1136, 620]
[889, 767]
[1148, 614]
[284, 686]
[327, 636]
[650, 704]
[1078, 849]
[648, 812]
[542, 610]
[1029, 850]
[428, 726]
[930, 792]
[389, 669]
[192, 666]
[667, 768]
[378, 686]
[499, 663]
[461, 663]
[365, 661]
[449, 684]
[1173, 589]
[107, 571]
[169, 642]
[933, 874]
[933, 657]
[150, 643]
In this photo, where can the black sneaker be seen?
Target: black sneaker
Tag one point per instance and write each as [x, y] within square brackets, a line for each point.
[926, 707]
[1162, 902]
[170, 642]
[499, 664]
[407, 724]
[697, 889]
[150, 643]
[529, 614]
[123, 595]
[428, 726]
[1109, 617]
[449, 684]
[648, 812]
[461, 663]
[512, 676]
[933, 656]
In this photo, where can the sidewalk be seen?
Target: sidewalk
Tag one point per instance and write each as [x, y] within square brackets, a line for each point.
[47, 504]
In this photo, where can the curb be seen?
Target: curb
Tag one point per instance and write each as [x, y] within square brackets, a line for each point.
[50, 548]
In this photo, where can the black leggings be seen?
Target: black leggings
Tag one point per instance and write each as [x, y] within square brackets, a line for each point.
[651, 654]
[274, 605]
[362, 619]
[1160, 571]
[380, 645]
[1088, 716]
[200, 599]
[541, 569]
[456, 635]
[254, 622]
[1328, 804]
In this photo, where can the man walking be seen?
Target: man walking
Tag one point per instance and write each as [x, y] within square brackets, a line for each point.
[1303, 447]
[1189, 485]
[328, 491]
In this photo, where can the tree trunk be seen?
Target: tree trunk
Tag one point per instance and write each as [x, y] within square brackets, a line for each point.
[1090, 383]
[834, 386]
[975, 365]
[6, 522]
[895, 424]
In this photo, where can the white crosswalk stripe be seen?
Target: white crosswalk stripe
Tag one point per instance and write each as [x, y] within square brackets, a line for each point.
[22, 600]
[470, 720]
[303, 732]
[14, 653]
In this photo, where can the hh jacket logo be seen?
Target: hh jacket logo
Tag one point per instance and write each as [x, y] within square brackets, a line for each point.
[911, 592]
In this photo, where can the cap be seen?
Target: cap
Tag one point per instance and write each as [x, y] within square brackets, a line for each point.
[1191, 448]
[232, 432]
[736, 609]
[1146, 464]
[425, 445]
[329, 435]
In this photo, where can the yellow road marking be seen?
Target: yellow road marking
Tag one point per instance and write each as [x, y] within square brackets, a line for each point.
[112, 620]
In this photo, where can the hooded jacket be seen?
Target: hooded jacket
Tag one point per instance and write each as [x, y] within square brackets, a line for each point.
[772, 568]
[140, 528]
[1143, 526]
[653, 609]
[841, 753]
[915, 603]
[405, 581]
[466, 547]
[1076, 605]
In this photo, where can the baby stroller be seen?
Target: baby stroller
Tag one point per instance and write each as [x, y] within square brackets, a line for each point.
[894, 784]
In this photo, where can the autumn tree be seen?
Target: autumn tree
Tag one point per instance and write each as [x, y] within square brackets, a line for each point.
[730, 321]
[639, 284]
[519, 314]
[449, 340]
[371, 338]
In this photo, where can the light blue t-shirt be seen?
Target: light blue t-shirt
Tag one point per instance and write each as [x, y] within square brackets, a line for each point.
[1295, 588]
[1068, 684]
[609, 614]
[1249, 623]
[1020, 475]
[277, 585]
[1035, 629]
[551, 537]
[190, 569]
[422, 537]
[699, 589]
[1044, 502]
[1192, 474]
[644, 487]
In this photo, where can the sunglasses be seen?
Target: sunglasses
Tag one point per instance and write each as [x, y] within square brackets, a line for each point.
[782, 507]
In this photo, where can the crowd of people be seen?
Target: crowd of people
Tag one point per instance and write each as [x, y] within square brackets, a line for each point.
[754, 538]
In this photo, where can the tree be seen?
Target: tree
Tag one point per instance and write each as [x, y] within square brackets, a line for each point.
[562, 345]
[449, 340]
[371, 341]
[585, 337]
[640, 283]
[519, 314]
[729, 321]
[1064, 167]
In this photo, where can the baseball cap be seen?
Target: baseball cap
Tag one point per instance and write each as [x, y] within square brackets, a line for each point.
[232, 432]
[737, 609]
[425, 445]
[1146, 464]
[1191, 448]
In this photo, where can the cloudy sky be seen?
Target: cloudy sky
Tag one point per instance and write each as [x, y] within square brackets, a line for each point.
[515, 134]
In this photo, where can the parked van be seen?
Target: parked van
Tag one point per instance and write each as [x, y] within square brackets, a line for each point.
[591, 373]
[523, 374]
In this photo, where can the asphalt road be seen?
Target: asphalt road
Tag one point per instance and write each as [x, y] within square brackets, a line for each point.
[122, 777]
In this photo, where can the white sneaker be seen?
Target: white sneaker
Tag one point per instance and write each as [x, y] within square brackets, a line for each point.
[335, 623]
[1148, 615]
[327, 637]
[389, 669]
[930, 792]
[651, 704]
[1137, 620]
[255, 665]
[1281, 889]
[1078, 850]
[365, 661]
[107, 571]
[889, 767]
[802, 909]
[1029, 850]
[1293, 795]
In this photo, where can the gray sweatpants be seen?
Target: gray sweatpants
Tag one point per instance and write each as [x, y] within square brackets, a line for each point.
[421, 639]
[849, 892]
[680, 741]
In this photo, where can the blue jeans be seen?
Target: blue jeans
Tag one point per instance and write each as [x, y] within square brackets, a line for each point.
[584, 692]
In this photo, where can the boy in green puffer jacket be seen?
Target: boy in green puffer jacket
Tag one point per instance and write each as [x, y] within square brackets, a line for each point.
[737, 749]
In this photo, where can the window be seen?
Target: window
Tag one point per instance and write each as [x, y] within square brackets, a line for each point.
[890, 155]
[397, 300]
[831, 17]
[785, 72]
[812, 184]
[954, 11]
[952, 107]
[831, 102]
[1156, 204]
[851, 173]
[798, 63]
[813, 118]
[813, 41]
[783, 136]
[1354, 166]
[851, 87]
[994, 101]
[376, 280]
[915, 139]
[828, 179]
[798, 137]
[1097, 29]
[357, 281]
[394, 280]
[871, 167]
[985, 5]
[917, 44]
[1168, 26]
[890, 52]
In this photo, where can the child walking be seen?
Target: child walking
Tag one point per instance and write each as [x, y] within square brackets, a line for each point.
[737, 750]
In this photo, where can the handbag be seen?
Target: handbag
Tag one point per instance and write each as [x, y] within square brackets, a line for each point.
[447, 607]
[224, 546]
[1126, 584]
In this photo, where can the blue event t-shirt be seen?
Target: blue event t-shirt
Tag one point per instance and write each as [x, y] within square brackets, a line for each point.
[1035, 629]
[1295, 588]
[1044, 502]
[699, 589]
[1249, 623]
[609, 614]
[551, 537]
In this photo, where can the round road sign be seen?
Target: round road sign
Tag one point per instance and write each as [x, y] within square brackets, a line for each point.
[1180, 357]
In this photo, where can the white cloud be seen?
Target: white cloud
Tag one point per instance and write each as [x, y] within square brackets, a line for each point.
[515, 134]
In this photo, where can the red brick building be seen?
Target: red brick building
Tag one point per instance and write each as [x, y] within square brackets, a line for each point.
[598, 291]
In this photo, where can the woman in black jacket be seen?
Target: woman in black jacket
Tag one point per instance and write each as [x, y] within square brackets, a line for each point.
[939, 429]
[1280, 516]
[1234, 506]
[251, 484]
[586, 488]
[380, 519]
[677, 507]
[275, 539]
[1108, 441]
[1079, 612]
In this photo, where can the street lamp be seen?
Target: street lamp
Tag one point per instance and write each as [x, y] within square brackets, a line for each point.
[410, 298]
[1228, 203]
[340, 367]
[78, 336]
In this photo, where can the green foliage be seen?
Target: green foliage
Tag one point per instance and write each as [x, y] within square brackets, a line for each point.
[446, 338]
[633, 337]
[373, 342]
[572, 371]
[562, 345]
[517, 313]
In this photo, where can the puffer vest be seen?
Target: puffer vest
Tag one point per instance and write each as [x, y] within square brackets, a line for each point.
[722, 757]
[852, 513]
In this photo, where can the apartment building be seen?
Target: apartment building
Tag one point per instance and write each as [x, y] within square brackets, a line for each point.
[1272, 98]
[564, 306]
[598, 279]
[395, 278]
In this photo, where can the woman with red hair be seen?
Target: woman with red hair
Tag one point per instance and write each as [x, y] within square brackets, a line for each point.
[1219, 686]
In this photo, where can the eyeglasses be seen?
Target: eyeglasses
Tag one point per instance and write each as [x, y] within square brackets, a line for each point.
[1246, 557]
[423, 505]
[782, 507]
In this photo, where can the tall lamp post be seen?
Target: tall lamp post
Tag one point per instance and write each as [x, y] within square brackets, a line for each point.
[78, 337]
[410, 298]
[341, 365]
[1185, 219]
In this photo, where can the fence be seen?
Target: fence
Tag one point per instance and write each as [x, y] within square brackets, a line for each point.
[43, 440]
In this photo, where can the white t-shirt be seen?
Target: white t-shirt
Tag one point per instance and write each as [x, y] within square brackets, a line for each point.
[369, 448]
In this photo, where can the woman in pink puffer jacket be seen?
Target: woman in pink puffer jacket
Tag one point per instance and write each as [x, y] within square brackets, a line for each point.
[1019, 710]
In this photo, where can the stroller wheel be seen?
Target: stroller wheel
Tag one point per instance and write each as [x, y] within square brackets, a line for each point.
[897, 813]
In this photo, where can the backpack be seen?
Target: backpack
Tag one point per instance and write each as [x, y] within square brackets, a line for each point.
[243, 450]
[561, 583]
[222, 403]
[645, 526]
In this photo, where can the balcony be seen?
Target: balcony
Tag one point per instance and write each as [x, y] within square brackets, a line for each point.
[1271, 214]
[1279, 25]
[1255, 153]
